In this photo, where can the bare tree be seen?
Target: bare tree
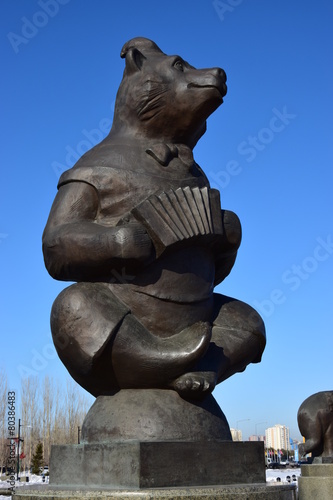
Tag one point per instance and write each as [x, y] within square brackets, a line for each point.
[59, 431]
[47, 415]
[65, 411]
[3, 415]
[30, 412]
[76, 408]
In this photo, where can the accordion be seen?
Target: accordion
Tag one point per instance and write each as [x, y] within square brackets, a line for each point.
[174, 216]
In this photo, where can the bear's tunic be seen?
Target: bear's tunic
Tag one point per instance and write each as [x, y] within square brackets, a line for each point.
[183, 277]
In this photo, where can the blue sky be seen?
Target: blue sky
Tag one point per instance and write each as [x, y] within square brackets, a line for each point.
[268, 149]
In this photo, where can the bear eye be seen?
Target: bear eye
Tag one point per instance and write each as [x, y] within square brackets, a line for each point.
[179, 65]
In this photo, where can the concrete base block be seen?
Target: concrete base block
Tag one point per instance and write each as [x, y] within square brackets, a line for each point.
[157, 464]
[323, 460]
[231, 492]
[316, 481]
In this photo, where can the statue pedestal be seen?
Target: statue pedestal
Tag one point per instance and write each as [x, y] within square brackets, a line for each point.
[316, 481]
[151, 438]
[153, 415]
[136, 465]
[153, 444]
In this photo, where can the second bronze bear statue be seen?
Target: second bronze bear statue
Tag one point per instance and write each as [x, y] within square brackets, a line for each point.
[137, 226]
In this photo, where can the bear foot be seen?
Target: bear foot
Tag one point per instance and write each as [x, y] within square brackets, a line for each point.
[142, 360]
[195, 385]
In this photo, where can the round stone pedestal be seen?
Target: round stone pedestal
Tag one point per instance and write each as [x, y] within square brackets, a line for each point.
[153, 415]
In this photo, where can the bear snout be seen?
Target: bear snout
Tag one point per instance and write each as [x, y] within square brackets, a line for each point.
[212, 77]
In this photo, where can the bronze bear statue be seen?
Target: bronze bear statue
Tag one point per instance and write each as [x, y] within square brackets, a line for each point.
[315, 422]
[137, 226]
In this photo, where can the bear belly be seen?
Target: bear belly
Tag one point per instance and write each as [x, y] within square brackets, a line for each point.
[173, 292]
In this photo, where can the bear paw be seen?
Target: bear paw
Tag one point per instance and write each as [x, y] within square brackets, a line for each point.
[195, 385]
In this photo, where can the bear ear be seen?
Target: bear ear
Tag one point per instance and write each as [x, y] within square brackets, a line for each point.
[134, 60]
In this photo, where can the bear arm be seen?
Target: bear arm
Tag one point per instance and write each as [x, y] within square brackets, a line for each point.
[312, 445]
[76, 248]
[223, 266]
[226, 247]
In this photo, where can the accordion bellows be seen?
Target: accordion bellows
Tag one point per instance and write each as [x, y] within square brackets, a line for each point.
[177, 215]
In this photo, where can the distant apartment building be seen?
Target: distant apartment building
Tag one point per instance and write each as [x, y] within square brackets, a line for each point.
[256, 438]
[236, 435]
[277, 437]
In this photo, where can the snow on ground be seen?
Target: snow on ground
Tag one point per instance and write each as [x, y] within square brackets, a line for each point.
[33, 479]
[271, 475]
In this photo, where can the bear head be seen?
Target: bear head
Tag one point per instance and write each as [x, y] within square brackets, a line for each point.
[163, 97]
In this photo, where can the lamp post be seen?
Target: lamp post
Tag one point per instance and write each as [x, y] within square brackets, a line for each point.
[243, 420]
[19, 439]
[18, 450]
[256, 426]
